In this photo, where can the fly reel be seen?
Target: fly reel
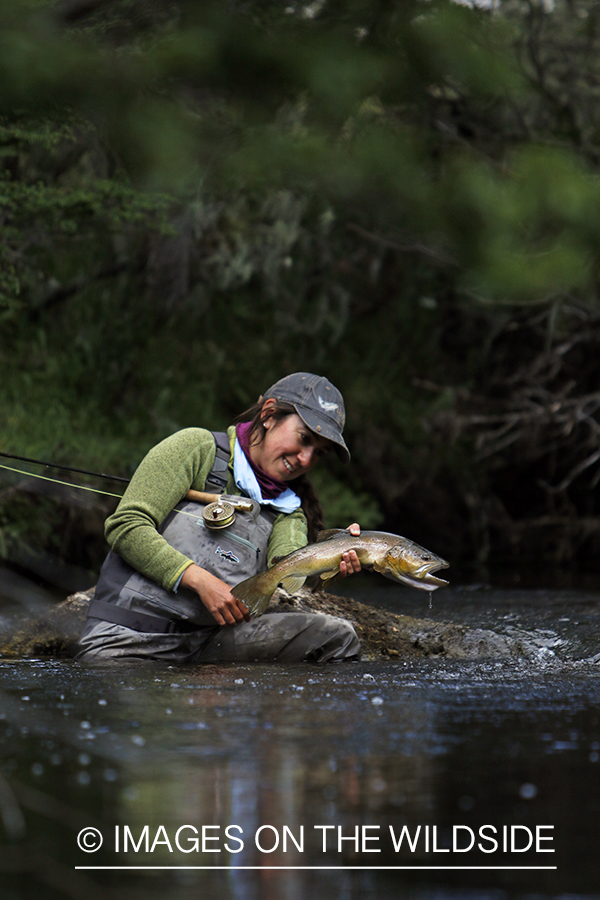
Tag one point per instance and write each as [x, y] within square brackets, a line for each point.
[219, 514]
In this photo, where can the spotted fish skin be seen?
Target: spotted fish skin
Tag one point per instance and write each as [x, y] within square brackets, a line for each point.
[391, 555]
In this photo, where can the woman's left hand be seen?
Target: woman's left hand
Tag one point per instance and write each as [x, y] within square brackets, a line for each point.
[350, 562]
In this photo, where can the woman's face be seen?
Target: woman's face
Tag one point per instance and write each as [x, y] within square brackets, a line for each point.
[289, 448]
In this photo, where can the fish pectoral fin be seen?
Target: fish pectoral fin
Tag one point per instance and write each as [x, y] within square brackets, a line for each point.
[329, 574]
[377, 567]
[292, 583]
[329, 533]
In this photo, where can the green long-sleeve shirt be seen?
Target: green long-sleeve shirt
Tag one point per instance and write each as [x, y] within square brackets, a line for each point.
[165, 475]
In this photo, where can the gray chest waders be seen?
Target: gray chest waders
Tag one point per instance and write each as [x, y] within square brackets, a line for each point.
[125, 597]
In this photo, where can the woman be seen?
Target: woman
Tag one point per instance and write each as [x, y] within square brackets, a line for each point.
[164, 590]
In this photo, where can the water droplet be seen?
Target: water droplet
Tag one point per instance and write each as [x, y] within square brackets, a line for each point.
[528, 791]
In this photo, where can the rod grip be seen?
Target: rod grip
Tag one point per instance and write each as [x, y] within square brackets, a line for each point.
[201, 497]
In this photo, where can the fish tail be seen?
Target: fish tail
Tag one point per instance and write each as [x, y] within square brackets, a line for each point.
[256, 591]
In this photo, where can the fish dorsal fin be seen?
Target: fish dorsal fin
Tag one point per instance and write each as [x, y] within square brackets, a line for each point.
[329, 533]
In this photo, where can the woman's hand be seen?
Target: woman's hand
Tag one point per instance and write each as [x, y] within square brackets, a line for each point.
[350, 562]
[216, 596]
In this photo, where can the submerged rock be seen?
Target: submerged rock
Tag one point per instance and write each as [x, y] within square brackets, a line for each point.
[382, 633]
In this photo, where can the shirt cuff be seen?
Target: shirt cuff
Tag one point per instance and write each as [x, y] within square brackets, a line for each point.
[175, 587]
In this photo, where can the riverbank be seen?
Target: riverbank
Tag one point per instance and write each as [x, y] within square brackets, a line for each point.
[383, 633]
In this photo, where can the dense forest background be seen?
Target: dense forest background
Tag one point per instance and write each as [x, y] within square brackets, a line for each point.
[197, 198]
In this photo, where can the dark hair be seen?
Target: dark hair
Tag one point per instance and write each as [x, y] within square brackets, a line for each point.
[311, 505]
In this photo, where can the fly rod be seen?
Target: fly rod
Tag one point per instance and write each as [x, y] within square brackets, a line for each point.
[47, 465]
[197, 496]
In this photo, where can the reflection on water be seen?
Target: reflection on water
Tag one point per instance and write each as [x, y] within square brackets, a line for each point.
[244, 768]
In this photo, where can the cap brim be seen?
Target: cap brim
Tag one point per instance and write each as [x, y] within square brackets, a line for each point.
[323, 427]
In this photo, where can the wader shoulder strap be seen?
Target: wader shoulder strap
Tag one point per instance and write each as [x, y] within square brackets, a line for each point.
[216, 481]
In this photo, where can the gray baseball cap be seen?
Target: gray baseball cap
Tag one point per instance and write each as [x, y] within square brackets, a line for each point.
[318, 403]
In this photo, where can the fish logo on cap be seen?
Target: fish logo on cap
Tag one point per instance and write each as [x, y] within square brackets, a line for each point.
[328, 407]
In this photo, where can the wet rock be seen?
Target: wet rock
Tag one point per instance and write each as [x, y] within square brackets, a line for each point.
[53, 634]
[384, 633]
[381, 633]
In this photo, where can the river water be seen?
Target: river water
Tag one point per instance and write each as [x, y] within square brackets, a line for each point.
[431, 779]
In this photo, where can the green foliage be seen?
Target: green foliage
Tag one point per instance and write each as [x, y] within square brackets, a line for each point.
[196, 199]
[465, 53]
[159, 108]
[537, 230]
[344, 504]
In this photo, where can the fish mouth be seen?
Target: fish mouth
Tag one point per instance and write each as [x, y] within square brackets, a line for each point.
[425, 571]
[431, 579]
[428, 583]
[423, 577]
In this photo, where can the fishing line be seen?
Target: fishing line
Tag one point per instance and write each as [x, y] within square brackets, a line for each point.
[80, 487]
[39, 462]
[83, 487]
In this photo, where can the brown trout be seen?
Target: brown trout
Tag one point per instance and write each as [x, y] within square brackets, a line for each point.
[394, 556]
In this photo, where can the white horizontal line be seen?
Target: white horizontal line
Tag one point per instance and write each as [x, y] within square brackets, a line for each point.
[325, 868]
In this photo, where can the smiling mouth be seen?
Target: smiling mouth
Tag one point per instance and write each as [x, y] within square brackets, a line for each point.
[287, 465]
